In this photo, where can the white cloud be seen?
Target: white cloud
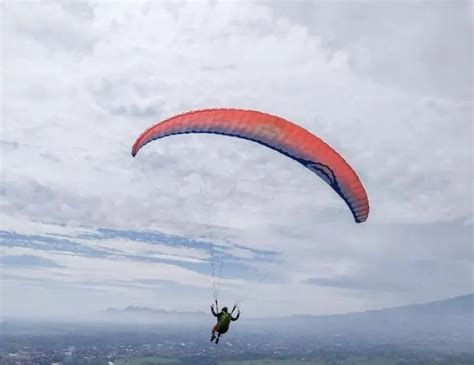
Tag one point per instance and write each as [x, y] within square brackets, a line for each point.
[82, 81]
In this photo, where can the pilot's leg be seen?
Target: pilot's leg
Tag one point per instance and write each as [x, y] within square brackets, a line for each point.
[214, 329]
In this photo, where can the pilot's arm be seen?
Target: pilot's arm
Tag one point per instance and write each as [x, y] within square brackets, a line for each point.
[214, 311]
[236, 317]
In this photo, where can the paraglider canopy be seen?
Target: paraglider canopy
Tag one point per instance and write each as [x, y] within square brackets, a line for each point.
[275, 133]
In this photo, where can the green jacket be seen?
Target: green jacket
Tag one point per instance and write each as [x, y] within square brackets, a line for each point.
[223, 321]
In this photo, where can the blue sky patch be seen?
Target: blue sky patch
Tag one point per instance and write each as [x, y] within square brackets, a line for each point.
[27, 260]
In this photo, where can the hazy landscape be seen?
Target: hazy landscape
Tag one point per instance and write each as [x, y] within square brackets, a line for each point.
[433, 333]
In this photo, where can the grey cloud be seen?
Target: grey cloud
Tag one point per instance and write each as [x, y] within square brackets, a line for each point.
[51, 157]
[218, 68]
[27, 261]
[57, 283]
[236, 265]
[53, 27]
[48, 243]
[39, 200]
[404, 276]
[79, 9]
[353, 283]
[98, 285]
[124, 96]
[146, 111]
[425, 46]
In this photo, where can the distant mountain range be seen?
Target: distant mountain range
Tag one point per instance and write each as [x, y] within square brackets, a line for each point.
[152, 316]
[452, 317]
[446, 324]
[151, 311]
[458, 306]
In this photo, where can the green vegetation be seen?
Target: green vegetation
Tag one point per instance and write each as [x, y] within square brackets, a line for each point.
[272, 362]
[147, 361]
[359, 360]
[367, 361]
[351, 361]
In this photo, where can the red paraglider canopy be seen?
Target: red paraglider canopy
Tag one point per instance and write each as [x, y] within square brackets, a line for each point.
[276, 133]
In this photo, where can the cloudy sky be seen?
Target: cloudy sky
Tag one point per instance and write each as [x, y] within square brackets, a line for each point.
[85, 226]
